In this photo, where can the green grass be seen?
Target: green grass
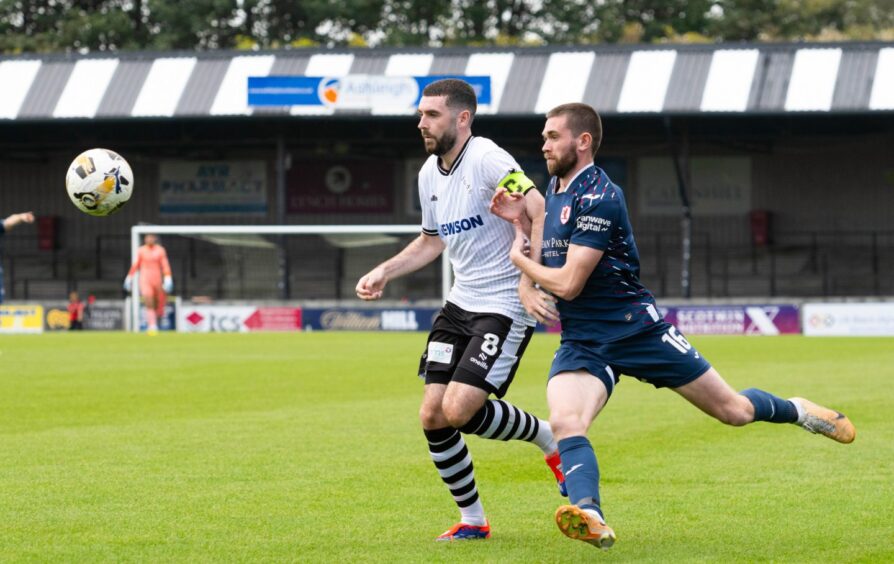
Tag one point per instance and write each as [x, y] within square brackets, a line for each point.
[306, 447]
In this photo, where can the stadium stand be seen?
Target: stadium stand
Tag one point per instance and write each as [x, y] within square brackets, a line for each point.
[805, 127]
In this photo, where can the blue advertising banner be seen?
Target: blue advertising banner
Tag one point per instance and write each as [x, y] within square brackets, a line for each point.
[355, 92]
[167, 322]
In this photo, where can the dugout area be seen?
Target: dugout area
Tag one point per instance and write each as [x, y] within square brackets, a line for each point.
[793, 203]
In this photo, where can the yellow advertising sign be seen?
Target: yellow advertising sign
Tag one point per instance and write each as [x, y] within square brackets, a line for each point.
[21, 319]
[58, 319]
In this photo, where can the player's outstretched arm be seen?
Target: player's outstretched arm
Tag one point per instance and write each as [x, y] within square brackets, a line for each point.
[16, 219]
[565, 282]
[421, 251]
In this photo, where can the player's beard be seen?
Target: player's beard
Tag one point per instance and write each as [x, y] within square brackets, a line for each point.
[442, 145]
[561, 165]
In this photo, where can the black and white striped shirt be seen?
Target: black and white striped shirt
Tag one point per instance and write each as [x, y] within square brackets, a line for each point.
[455, 206]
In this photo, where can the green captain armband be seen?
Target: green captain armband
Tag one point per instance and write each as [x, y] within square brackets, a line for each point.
[516, 181]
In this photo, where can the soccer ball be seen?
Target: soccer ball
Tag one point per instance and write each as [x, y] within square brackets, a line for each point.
[99, 182]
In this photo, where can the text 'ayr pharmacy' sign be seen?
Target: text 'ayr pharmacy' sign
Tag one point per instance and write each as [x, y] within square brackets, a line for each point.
[212, 188]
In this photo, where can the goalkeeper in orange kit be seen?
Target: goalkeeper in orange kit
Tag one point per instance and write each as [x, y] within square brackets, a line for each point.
[155, 279]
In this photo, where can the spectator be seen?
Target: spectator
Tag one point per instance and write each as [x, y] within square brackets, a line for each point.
[75, 312]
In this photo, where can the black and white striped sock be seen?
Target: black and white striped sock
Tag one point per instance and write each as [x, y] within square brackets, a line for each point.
[503, 421]
[454, 463]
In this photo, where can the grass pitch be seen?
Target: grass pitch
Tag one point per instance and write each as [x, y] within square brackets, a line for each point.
[306, 447]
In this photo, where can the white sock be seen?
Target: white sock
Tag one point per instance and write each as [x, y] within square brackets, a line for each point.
[594, 513]
[503, 421]
[802, 413]
[544, 438]
[473, 514]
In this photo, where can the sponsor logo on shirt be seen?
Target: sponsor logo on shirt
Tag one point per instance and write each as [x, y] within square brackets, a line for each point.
[460, 225]
[590, 223]
[566, 213]
[553, 247]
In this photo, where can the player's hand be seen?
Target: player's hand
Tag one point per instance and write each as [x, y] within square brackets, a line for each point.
[507, 205]
[371, 285]
[521, 245]
[167, 285]
[127, 284]
[540, 305]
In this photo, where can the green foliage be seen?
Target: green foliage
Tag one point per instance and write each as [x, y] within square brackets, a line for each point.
[100, 25]
[306, 447]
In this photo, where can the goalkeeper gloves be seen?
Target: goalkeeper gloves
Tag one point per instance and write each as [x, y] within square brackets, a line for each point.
[167, 285]
[127, 284]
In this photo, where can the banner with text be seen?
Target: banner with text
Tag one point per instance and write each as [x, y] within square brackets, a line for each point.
[237, 319]
[212, 188]
[363, 319]
[344, 187]
[100, 316]
[734, 320]
[719, 186]
[378, 93]
[854, 320]
[21, 319]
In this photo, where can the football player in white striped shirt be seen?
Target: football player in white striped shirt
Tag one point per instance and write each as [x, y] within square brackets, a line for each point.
[478, 338]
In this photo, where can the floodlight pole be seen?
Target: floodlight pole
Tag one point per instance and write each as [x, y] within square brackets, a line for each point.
[285, 291]
[686, 211]
[134, 283]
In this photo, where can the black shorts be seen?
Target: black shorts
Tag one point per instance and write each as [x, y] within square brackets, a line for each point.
[479, 349]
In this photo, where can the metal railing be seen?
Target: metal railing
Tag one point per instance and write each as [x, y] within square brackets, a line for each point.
[795, 263]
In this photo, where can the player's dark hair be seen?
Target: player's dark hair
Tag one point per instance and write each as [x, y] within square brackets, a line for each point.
[458, 93]
[580, 118]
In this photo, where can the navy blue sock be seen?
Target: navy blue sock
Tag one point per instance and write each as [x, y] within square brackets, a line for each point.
[581, 472]
[768, 407]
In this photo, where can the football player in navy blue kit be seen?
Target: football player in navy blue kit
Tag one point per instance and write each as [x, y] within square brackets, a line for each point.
[610, 324]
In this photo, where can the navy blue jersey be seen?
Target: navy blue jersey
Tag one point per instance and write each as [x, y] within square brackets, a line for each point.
[613, 303]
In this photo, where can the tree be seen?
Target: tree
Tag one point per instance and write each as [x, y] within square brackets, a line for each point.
[109, 25]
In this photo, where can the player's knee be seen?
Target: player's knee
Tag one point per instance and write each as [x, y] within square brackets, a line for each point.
[457, 414]
[734, 413]
[567, 424]
[431, 417]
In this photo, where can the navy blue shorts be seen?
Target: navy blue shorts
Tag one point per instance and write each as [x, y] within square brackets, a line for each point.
[660, 356]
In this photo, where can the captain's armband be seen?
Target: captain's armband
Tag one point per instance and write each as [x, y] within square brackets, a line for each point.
[516, 181]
